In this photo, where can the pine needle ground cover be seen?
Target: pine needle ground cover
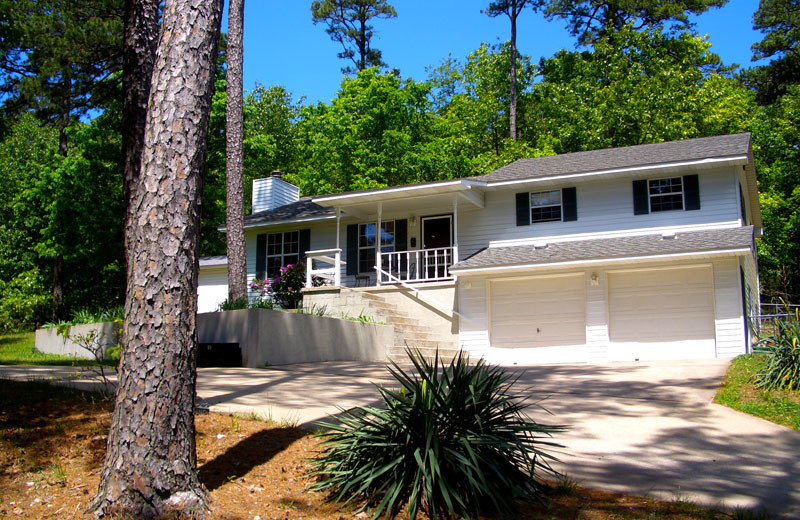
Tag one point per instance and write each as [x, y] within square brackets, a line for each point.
[52, 443]
[453, 441]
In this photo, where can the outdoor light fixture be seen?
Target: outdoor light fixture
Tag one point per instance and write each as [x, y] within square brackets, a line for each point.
[594, 279]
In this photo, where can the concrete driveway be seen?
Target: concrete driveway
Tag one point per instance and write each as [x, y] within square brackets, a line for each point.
[642, 428]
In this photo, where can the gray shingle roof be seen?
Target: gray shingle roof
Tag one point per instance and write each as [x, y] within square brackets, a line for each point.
[626, 157]
[301, 209]
[610, 248]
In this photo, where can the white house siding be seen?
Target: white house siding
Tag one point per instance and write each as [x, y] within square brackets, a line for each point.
[728, 306]
[212, 288]
[604, 207]
[728, 333]
[752, 292]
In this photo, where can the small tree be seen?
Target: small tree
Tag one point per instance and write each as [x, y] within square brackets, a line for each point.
[348, 24]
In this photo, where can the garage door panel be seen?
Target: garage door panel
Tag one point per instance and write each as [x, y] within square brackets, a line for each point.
[538, 312]
[661, 306]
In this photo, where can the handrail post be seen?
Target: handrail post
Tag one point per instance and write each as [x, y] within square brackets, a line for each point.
[337, 274]
[309, 262]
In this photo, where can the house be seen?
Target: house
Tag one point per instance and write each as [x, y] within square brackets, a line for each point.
[636, 253]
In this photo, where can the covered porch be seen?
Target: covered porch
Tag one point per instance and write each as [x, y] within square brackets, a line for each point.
[394, 236]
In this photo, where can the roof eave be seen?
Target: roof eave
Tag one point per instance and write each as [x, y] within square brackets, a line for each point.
[477, 271]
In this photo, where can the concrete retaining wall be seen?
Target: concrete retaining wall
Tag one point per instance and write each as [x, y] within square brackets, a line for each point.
[281, 338]
[49, 341]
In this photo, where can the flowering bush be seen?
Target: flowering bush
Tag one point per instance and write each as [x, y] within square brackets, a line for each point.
[285, 289]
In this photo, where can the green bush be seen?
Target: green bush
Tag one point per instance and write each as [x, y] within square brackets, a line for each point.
[234, 305]
[454, 439]
[782, 350]
[24, 302]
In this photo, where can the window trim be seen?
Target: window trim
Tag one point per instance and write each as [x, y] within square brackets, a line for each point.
[379, 246]
[650, 195]
[560, 206]
[283, 254]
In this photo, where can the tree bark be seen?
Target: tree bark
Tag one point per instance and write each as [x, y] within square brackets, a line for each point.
[512, 111]
[234, 132]
[141, 39]
[150, 465]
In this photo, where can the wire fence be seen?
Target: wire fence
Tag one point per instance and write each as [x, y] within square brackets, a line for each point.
[770, 313]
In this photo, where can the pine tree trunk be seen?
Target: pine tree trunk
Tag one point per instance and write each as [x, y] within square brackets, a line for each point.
[512, 111]
[237, 263]
[141, 38]
[150, 465]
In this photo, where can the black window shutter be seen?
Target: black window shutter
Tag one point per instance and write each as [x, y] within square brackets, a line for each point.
[691, 192]
[569, 203]
[401, 235]
[641, 206]
[261, 256]
[524, 209]
[352, 249]
[305, 243]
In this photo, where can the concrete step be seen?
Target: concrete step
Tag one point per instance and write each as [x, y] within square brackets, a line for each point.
[403, 322]
[399, 356]
[372, 296]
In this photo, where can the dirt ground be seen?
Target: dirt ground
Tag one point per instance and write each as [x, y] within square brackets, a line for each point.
[52, 442]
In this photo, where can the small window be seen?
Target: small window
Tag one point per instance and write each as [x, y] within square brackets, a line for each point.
[666, 194]
[282, 250]
[367, 243]
[546, 206]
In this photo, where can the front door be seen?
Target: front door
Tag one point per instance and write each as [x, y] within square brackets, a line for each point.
[437, 241]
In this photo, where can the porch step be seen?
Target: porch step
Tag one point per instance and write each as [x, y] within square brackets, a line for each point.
[399, 356]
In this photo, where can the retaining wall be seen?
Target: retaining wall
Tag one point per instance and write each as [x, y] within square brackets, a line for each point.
[49, 341]
[280, 338]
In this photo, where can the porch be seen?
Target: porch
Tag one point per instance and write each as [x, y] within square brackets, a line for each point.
[394, 236]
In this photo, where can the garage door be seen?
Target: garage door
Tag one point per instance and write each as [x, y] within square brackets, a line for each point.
[661, 314]
[538, 312]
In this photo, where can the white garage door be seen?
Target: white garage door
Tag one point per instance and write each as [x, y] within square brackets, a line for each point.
[538, 312]
[661, 314]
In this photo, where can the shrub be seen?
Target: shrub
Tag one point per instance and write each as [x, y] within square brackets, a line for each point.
[24, 301]
[782, 349]
[453, 439]
[234, 305]
[287, 286]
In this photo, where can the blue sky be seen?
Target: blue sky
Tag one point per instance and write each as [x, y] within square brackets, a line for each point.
[283, 47]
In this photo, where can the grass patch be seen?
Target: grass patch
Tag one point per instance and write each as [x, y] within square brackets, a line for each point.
[738, 391]
[18, 349]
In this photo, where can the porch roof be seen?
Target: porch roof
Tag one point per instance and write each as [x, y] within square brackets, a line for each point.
[737, 240]
[302, 210]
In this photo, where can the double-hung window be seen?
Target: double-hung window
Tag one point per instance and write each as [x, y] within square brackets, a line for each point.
[546, 206]
[665, 194]
[368, 243]
[282, 250]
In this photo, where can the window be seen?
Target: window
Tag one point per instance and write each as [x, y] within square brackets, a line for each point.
[546, 206]
[666, 194]
[282, 249]
[367, 243]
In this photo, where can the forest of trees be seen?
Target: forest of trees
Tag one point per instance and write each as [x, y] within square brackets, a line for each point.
[639, 75]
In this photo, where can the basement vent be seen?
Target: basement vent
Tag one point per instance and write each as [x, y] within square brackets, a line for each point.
[668, 236]
[539, 245]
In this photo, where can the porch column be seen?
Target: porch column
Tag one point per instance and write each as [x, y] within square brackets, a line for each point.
[337, 275]
[378, 246]
[455, 229]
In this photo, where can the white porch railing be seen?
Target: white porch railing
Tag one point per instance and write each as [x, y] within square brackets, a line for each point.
[423, 265]
[326, 264]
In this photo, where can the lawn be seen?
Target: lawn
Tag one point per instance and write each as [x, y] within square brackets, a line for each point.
[53, 439]
[17, 349]
[740, 393]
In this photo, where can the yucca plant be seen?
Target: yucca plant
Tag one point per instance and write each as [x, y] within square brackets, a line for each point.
[453, 440]
[782, 350]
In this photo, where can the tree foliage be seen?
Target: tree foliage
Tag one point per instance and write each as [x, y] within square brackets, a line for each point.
[590, 20]
[59, 57]
[348, 22]
[779, 20]
[635, 88]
